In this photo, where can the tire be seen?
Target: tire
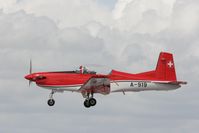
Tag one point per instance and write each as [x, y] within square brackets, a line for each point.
[92, 101]
[51, 102]
[86, 104]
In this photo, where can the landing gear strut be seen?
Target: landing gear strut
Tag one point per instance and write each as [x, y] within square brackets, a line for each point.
[51, 101]
[90, 101]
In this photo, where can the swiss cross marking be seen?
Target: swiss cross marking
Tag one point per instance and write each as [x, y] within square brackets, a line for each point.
[170, 64]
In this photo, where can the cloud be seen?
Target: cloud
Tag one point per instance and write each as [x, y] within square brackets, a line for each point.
[142, 15]
[185, 16]
[62, 35]
[66, 13]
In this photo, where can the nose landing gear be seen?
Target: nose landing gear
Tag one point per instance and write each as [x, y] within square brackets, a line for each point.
[51, 101]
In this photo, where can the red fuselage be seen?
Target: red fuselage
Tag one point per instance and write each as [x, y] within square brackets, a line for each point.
[71, 78]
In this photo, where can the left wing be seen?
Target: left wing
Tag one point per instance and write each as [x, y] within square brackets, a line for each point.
[96, 84]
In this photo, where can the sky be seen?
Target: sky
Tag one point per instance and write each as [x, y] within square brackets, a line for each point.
[125, 35]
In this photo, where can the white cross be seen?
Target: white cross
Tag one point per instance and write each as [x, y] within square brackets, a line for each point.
[170, 64]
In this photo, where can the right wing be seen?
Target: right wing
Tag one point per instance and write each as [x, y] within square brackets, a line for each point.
[96, 84]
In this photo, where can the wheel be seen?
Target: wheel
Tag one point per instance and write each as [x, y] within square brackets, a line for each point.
[92, 101]
[86, 103]
[51, 102]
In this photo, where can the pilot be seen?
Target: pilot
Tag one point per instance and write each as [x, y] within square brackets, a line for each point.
[83, 70]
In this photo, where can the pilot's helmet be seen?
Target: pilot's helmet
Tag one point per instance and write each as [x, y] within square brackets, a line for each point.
[81, 69]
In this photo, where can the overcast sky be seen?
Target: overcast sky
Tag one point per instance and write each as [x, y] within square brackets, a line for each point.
[121, 34]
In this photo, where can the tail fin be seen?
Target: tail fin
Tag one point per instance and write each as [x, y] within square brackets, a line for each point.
[165, 69]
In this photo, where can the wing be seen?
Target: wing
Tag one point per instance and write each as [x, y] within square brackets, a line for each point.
[96, 84]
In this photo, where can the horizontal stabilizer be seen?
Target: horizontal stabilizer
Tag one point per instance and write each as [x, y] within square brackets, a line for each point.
[170, 82]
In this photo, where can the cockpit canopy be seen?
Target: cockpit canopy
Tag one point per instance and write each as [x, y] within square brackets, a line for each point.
[85, 70]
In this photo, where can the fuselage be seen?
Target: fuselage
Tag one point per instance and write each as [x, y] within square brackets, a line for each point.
[119, 82]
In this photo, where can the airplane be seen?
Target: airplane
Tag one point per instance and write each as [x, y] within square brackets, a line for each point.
[88, 83]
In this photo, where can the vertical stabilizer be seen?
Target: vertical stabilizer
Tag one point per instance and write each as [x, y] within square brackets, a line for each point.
[165, 69]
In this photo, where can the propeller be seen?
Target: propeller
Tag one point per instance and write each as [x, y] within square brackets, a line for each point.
[30, 71]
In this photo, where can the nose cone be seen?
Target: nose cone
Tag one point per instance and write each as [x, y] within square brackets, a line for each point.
[28, 77]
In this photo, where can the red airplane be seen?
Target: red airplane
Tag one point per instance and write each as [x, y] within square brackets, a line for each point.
[89, 82]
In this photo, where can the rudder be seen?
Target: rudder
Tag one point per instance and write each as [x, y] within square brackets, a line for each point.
[165, 69]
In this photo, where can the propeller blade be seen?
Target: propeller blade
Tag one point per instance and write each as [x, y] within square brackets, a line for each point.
[30, 70]
[30, 82]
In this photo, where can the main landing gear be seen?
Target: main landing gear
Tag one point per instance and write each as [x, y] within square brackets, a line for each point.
[90, 101]
[51, 101]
